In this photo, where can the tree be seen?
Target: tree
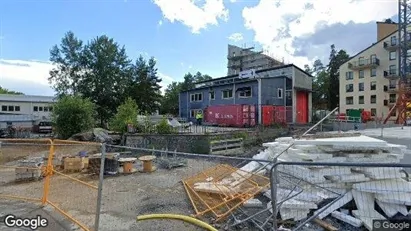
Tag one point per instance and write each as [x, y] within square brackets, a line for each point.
[169, 103]
[68, 57]
[8, 92]
[200, 77]
[145, 85]
[73, 114]
[99, 71]
[336, 60]
[126, 114]
[190, 80]
[320, 83]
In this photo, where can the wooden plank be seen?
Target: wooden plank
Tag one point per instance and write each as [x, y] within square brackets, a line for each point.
[325, 225]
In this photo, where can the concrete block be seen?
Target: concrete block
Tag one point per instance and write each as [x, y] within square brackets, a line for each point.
[295, 214]
[336, 205]
[384, 186]
[400, 198]
[347, 219]
[253, 203]
[392, 209]
[359, 141]
[363, 200]
[354, 177]
[296, 204]
[367, 217]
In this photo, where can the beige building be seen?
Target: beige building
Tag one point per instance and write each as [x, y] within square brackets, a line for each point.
[369, 79]
[242, 59]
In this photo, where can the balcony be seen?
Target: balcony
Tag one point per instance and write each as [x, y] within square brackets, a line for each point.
[364, 64]
[391, 46]
[391, 74]
[390, 89]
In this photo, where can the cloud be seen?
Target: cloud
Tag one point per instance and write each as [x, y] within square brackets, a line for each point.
[236, 37]
[192, 14]
[31, 76]
[277, 24]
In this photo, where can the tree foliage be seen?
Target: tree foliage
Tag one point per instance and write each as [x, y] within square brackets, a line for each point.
[126, 114]
[326, 80]
[72, 114]
[9, 92]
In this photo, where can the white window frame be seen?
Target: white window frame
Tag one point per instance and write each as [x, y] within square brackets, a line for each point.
[242, 94]
[280, 93]
[349, 97]
[363, 86]
[209, 95]
[349, 75]
[371, 84]
[361, 74]
[196, 100]
[227, 90]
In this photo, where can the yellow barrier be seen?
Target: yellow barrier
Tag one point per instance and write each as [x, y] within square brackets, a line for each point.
[48, 171]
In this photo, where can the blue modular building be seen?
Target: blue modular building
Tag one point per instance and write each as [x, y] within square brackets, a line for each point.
[285, 86]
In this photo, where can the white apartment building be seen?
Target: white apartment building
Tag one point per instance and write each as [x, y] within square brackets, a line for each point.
[369, 80]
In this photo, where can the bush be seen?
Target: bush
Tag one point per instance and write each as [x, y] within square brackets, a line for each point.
[73, 114]
[163, 127]
[126, 114]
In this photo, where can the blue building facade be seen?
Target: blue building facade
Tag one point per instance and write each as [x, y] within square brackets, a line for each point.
[274, 86]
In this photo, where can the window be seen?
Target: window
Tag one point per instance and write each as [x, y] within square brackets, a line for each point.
[196, 97]
[361, 74]
[373, 99]
[349, 88]
[40, 108]
[35, 108]
[393, 98]
[349, 100]
[17, 108]
[393, 55]
[46, 109]
[373, 85]
[373, 72]
[245, 92]
[349, 75]
[211, 94]
[361, 61]
[279, 93]
[393, 84]
[373, 111]
[373, 58]
[11, 108]
[393, 70]
[360, 86]
[227, 94]
[361, 99]
[393, 40]
[4, 108]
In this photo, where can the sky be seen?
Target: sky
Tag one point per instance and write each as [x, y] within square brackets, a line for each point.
[183, 35]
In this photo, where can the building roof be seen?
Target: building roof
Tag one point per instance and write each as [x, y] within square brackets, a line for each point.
[376, 43]
[258, 71]
[27, 98]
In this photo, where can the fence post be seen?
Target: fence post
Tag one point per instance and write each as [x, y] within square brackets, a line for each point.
[48, 172]
[274, 182]
[100, 186]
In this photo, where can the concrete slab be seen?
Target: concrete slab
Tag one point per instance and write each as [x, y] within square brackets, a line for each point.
[56, 222]
[359, 141]
[347, 219]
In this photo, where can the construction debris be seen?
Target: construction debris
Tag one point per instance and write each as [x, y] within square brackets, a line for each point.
[29, 169]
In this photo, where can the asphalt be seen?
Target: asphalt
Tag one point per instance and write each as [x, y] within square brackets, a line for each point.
[20, 209]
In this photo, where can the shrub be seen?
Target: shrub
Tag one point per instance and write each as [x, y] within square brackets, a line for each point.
[126, 114]
[163, 127]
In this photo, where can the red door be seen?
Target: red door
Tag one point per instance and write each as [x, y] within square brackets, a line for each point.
[302, 107]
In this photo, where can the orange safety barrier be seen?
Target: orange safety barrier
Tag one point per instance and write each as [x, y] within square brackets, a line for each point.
[47, 171]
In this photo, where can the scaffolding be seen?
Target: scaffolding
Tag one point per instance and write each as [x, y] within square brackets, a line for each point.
[402, 106]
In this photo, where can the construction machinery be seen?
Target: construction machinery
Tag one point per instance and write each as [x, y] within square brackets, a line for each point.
[402, 105]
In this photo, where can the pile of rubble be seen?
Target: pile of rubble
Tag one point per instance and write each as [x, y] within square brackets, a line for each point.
[314, 183]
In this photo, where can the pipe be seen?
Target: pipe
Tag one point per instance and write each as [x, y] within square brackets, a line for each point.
[178, 217]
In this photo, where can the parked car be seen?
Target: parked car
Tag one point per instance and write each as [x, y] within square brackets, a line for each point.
[43, 127]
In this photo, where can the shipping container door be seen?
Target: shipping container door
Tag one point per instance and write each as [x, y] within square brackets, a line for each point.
[268, 115]
[302, 107]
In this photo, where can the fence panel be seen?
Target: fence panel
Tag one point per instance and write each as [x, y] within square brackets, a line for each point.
[74, 183]
[142, 182]
[22, 168]
[340, 196]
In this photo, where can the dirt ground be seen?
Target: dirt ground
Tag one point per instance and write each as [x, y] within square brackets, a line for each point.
[124, 197]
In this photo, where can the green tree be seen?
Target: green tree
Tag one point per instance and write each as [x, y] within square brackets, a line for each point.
[69, 58]
[126, 114]
[320, 83]
[99, 70]
[145, 87]
[73, 114]
[169, 103]
[8, 92]
[336, 60]
[190, 80]
[200, 77]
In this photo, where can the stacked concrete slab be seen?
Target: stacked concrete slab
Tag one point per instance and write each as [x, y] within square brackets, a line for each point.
[365, 185]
